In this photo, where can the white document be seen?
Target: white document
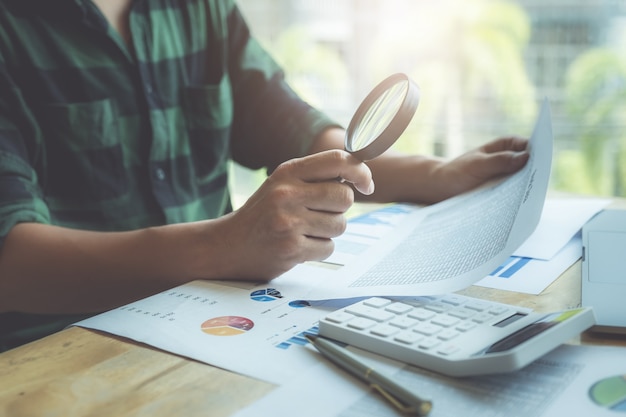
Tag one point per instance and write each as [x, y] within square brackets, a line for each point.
[446, 246]
[532, 276]
[252, 330]
[561, 220]
[577, 381]
[554, 246]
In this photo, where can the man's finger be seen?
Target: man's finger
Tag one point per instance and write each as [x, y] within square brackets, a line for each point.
[505, 162]
[515, 144]
[335, 164]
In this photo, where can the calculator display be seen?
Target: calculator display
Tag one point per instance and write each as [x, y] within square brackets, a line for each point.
[530, 331]
[511, 319]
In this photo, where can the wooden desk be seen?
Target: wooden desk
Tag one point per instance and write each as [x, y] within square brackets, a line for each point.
[80, 372]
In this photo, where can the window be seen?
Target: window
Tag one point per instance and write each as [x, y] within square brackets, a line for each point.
[483, 67]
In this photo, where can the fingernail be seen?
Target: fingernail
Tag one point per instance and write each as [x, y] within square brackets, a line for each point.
[370, 189]
[520, 156]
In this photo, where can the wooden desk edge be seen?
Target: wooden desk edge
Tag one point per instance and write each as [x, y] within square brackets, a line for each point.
[79, 372]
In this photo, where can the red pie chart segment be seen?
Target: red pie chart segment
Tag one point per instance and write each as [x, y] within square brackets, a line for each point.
[227, 326]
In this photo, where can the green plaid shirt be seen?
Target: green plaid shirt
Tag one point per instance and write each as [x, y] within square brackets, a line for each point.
[100, 135]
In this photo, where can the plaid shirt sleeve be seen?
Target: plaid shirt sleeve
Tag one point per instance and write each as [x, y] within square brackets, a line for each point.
[21, 199]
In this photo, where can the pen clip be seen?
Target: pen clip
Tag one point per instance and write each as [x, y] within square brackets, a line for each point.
[421, 410]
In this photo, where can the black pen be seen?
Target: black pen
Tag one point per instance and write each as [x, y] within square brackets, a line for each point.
[400, 397]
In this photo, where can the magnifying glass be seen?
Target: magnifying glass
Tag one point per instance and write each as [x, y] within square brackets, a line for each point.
[382, 117]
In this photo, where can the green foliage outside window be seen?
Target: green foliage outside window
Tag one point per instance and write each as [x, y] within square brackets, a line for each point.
[483, 67]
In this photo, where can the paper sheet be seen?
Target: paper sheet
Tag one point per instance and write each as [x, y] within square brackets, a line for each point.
[249, 329]
[561, 220]
[532, 276]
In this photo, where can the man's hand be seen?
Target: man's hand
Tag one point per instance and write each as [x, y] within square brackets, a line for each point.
[294, 214]
[495, 159]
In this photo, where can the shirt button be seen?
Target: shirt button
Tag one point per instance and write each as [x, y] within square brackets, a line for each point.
[159, 173]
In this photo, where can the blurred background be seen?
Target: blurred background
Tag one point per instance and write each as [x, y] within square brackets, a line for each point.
[483, 67]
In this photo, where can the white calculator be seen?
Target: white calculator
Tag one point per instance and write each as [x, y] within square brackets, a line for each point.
[453, 334]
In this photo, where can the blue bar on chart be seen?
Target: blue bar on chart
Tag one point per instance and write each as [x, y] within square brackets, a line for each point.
[510, 267]
[298, 339]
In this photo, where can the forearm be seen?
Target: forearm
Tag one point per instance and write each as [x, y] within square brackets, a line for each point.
[406, 178]
[291, 219]
[49, 269]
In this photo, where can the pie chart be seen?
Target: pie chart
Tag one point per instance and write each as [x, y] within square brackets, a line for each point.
[227, 326]
[610, 393]
[267, 294]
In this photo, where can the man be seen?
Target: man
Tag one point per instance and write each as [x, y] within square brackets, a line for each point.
[117, 121]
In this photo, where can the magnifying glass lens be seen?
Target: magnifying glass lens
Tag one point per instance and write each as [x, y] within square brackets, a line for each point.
[379, 116]
[382, 117]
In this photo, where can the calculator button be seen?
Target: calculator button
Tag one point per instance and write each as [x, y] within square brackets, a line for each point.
[429, 343]
[398, 308]
[482, 317]
[339, 317]
[403, 322]
[448, 349]
[384, 330]
[453, 300]
[497, 310]
[361, 323]
[462, 313]
[448, 334]
[437, 307]
[476, 305]
[408, 337]
[465, 326]
[369, 312]
[427, 329]
[418, 301]
[421, 314]
[445, 321]
[376, 302]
